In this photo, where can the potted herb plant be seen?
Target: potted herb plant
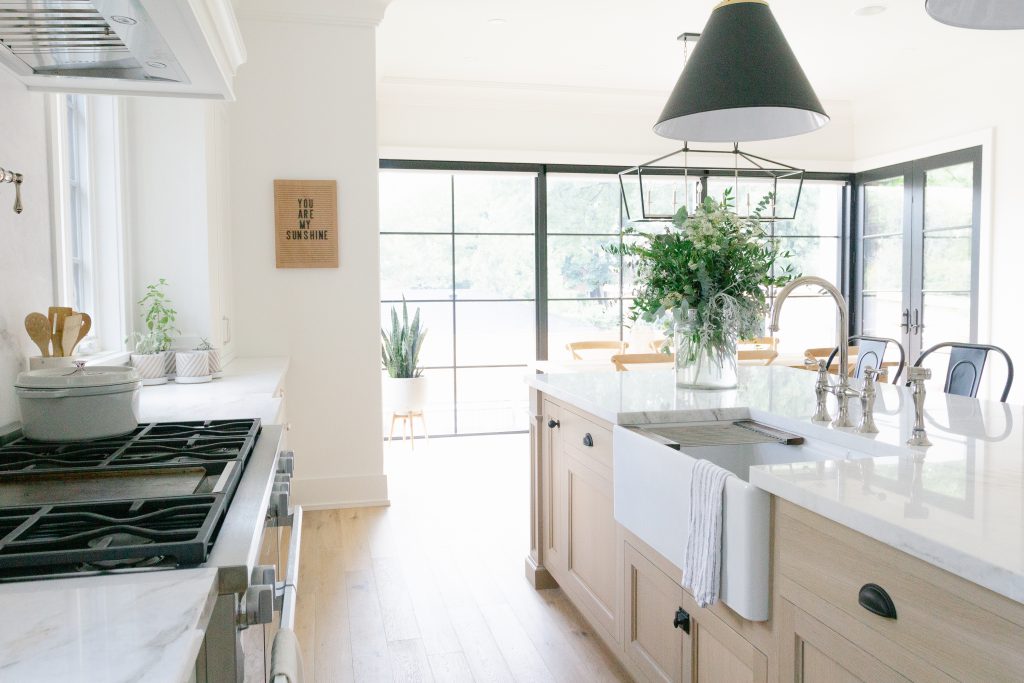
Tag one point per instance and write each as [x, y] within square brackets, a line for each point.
[148, 358]
[213, 357]
[404, 387]
[706, 278]
[158, 317]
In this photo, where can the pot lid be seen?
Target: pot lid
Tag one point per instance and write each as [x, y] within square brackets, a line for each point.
[62, 378]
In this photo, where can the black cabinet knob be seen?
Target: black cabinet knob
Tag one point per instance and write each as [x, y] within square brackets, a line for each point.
[682, 620]
[553, 423]
[588, 440]
[874, 599]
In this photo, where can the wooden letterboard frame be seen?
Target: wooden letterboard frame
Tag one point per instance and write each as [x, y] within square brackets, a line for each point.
[306, 223]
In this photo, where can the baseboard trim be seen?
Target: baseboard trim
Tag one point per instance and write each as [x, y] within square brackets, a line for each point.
[325, 493]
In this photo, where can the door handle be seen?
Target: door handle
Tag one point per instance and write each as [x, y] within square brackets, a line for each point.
[588, 440]
[905, 325]
[553, 423]
[916, 326]
[682, 620]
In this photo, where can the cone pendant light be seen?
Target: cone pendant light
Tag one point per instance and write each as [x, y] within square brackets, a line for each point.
[741, 83]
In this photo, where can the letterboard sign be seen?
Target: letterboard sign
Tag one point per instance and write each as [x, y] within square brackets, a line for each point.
[306, 223]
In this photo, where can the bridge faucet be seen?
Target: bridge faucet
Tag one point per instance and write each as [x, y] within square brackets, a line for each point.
[842, 391]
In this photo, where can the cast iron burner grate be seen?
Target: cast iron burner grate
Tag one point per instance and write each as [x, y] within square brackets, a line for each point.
[172, 444]
[128, 533]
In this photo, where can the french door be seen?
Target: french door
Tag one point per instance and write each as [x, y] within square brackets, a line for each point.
[917, 250]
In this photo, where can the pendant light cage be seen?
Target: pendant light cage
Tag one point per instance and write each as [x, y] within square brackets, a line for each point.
[654, 192]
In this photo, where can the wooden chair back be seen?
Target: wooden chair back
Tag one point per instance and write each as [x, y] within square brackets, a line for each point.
[621, 360]
[658, 345]
[758, 343]
[614, 346]
[765, 356]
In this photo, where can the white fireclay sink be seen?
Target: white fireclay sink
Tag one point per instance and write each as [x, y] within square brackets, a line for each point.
[652, 500]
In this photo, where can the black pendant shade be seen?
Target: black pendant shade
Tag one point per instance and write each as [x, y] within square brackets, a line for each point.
[983, 14]
[741, 83]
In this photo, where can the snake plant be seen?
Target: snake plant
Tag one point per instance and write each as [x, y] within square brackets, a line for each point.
[400, 349]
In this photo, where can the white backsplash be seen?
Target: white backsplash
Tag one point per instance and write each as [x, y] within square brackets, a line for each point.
[26, 271]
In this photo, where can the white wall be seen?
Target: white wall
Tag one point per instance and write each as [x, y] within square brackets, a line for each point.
[467, 121]
[953, 111]
[26, 274]
[306, 110]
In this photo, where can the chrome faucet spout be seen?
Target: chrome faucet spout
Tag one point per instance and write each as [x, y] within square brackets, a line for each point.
[842, 391]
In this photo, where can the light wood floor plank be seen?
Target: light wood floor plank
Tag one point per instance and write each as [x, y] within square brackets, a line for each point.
[450, 667]
[521, 656]
[409, 662]
[396, 606]
[485, 659]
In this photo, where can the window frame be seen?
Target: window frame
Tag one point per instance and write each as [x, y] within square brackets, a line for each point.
[102, 158]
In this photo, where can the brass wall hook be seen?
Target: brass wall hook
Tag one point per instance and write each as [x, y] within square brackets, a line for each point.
[17, 179]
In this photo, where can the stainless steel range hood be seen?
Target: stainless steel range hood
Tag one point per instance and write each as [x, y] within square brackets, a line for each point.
[88, 38]
[185, 47]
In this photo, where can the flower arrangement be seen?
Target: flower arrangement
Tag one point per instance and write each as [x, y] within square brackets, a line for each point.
[711, 270]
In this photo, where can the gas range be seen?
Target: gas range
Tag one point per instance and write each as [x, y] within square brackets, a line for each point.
[153, 499]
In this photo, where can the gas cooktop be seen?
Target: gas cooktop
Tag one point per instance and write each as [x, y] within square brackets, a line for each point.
[151, 499]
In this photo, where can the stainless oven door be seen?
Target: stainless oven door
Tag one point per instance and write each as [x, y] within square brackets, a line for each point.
[285, 658]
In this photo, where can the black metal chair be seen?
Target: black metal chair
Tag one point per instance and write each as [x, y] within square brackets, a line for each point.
[966, 364]
[870, 354]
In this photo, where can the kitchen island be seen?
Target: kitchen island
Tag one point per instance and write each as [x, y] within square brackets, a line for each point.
[942, 526]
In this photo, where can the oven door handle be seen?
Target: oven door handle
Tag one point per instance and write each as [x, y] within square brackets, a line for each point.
[286, 590]
[285, 659]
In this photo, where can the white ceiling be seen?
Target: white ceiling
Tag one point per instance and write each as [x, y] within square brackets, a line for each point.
[631, 44]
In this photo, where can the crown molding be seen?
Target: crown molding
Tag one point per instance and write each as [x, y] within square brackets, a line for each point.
[358, 13]
[410, 82]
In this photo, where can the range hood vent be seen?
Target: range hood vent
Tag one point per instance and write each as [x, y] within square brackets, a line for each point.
[85, 38]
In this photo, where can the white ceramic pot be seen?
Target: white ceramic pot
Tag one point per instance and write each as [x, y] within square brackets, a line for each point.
[61, 404]
[215, 368]
[192, 367]
[169, 362]
[405, 394]
[151, 367]
[44, 362]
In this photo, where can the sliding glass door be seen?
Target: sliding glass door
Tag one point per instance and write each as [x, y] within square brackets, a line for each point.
[918, 232]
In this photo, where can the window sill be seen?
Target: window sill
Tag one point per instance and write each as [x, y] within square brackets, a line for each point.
[107, 358]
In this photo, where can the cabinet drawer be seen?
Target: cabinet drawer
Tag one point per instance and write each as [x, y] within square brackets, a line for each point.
[578, 431]
[942, 621]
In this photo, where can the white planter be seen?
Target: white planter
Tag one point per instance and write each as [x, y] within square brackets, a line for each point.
[169, 362]
[192, 367]
[214, 358]
[405, 395]
[73, 405]
[152, 367]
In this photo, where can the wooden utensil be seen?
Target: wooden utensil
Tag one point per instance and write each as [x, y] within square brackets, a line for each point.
[57, 316]
[69, 335]
[38, 327]
[86, 326]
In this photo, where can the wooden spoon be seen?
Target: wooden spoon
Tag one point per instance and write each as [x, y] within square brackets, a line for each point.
[69, 336]
[86, 326]
[57, 316]
[38, 327]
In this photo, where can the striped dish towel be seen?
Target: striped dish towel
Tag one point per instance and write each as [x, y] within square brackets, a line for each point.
[702, 564]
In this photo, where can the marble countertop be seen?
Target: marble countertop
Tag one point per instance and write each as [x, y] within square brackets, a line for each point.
[115, 629]
[250, 387]
[958, 504]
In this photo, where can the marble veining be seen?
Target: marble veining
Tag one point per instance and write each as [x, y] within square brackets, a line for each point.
[115, 629]
[249, 388]
[958, 504]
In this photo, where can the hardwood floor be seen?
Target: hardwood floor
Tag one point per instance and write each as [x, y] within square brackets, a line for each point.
[432, 588]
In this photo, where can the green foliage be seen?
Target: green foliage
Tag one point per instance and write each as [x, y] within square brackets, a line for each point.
[159, 316]
[712, 262]
[204, 345]
[400, 349]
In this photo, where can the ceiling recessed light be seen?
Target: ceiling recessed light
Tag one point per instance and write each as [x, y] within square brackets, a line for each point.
[869, 10]
[497, 21]
[156, 65]
[121, 19]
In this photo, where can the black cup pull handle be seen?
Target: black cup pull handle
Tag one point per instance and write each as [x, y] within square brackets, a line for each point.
[588, 440]
[553, 423]
[682, 620]
[874, 599]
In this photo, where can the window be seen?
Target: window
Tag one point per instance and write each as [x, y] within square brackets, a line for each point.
[498, 288]
[88, 243]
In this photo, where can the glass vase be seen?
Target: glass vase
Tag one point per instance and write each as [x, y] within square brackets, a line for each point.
[705, 358]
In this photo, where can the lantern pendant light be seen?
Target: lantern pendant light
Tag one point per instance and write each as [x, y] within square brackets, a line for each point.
[741, 83]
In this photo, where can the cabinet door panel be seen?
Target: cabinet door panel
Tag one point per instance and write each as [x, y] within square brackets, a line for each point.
[715, 652]
[555, 502]
[591, 542]
[652, 643]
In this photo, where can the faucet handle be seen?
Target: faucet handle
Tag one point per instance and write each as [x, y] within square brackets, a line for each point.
[919, 374]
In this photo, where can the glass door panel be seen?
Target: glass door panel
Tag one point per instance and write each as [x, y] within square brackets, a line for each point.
[883, 248]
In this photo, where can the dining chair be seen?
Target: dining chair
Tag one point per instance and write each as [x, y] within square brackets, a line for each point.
[615, 346]
[621, 360]
[659, 345]
[966, 365]
[757, 356]
[757, 343]
[871, 354]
